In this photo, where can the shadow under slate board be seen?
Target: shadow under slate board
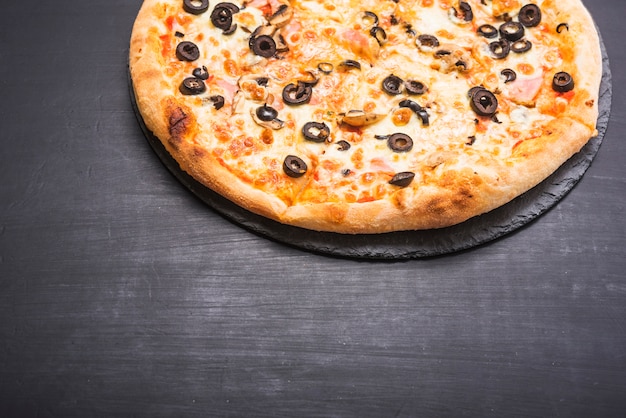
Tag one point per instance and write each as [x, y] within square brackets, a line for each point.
[411, 244]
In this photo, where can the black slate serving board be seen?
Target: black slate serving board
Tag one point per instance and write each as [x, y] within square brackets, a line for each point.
[412, 244]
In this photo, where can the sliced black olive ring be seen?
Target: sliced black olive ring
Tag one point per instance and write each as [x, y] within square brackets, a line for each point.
[316, 131]
[512, 30]
[415, 88]
[425, 41]
[521, 46]
[562, 82]
[195, 7]
[500, 49]
[484, 102]
[410, 104]
[402, 179]
[369, 18]
[222, 17]
[218, 101]
[263, 45]
[187, 51]
[530, 15]
[400, 142]
[509, 75]
[297, 93]
[192, 86]
[294, 166]
[266, 113]
[392, 84]
[562, 26]
[487, 31]
[349, 65]
[201, 73]
[379, 34]
[325, 67]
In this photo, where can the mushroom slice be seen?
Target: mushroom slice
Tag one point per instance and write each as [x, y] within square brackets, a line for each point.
[358, 118]
[282, 16]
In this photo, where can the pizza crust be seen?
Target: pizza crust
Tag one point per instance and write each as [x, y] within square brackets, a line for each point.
[453, 192]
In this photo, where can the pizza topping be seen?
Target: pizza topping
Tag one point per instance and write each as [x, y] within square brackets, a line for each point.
[192, 86]
[187, 51]
[512, 30]
[419, 111]
[400, 142]
[392, 85]
[263, 45]
[316, 131]
[530, 15]
[201, 73]
[267, 117]
[195, 7]
[483, 102]
[325, 67]
[348, 65]
[488, 31]
[427, 43]
[415, 88]
[343, 145]
[562, 26]
[282, 16]
[358, 118]
[509, 75]
[463, 15]
[402, 179]
[379, 34]
[218, 101]
[369, 19]
[500, 49]
[562, 82]
[297, 94]
[294, 166]
[222, 17]
[521, 46]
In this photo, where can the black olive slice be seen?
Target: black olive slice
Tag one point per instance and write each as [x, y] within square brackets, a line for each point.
[484, 102]
[230, 30]
[179, 34]
[402, 179]
[379, 34]
[530, 15]
[410, 104]
[218, 101]
[512, 30]
[316, 131]
[195, 7]
[562, 82]
[192, 86]
[521, 46]
[294, 166]
[343, 145]
[187, 51]
[262, 81]
[465, 12]
[297, 93]
[500, 49]
[473, 91]
[392, 85]
[230, 6]
[561, 27]
[427, 42]
[487, 31]
[201, 73]
[369, 18]
[222, 18]
[266, 113]
[263, 46]
[400, 142]
[415, 88]
[349, 65]
[325, 67]
[509, 75]
[423, 116]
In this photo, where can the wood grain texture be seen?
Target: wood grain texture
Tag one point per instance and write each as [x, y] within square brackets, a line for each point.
[121, 294]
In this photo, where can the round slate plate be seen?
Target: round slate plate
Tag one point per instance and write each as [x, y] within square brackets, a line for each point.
[412, 244]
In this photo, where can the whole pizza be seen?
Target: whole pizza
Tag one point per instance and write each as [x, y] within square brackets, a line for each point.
[368, 116]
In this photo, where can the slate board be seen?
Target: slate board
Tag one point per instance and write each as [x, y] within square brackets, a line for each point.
[411, 244]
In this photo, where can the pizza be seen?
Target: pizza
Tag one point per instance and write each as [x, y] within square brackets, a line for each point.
[368, 116]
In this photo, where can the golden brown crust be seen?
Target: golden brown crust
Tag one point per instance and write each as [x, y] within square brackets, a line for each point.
[452, 190]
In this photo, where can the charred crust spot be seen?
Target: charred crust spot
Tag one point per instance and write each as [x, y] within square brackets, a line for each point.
[178, 123]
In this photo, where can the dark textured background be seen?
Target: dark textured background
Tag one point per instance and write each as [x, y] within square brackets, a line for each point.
[122, 294]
